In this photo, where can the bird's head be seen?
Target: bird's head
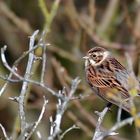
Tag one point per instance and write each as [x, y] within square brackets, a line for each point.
[96, 56]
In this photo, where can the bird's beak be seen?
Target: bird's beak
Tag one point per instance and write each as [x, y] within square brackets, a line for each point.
[85, 57]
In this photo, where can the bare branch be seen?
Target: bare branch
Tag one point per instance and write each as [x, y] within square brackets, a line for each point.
[14, 66]
[118, 125]
[111, 132]
[24, 78]
[61, 107]
[25, 84]
[27, 80]
[62, 100]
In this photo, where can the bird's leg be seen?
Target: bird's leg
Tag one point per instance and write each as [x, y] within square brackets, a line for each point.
[109, 105]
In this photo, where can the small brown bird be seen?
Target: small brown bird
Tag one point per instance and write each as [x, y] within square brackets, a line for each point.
[108, 78]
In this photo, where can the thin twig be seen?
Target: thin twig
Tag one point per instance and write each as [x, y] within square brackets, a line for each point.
[10, 80]
[100, 120]
[25, 84]
[39, 119]
[14, 67]
[26, 80]
[10, 75]
[119, 125]
[43, 62]
[61, 107]
[5, 85]
[39, 135]
[69, 129]
[4, 132]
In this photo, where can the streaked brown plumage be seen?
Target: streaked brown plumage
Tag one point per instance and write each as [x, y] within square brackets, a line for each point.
[107, 77]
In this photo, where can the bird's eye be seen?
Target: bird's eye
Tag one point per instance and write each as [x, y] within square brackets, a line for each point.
[93, 55]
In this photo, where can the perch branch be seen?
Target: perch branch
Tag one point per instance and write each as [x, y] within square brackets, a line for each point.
[100, 120]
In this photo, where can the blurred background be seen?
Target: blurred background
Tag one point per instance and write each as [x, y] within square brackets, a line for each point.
[74, 26]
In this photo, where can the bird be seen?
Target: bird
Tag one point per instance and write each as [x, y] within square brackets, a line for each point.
[108, 78]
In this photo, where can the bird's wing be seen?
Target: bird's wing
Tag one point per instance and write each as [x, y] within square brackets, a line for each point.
[112, 82]
[114, 64]
[107, 78]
